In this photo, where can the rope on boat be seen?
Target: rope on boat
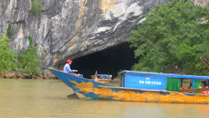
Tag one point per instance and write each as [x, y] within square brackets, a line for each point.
[152, 98]
[175, 100]
[201, 101]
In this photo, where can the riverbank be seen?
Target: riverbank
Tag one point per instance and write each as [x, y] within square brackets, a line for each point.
[13, 75]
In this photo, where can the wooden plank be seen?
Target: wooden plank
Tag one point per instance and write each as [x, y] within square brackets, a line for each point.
[123, 88]
[105, 80]
[205, 59]
[185, 90]
[194, 90]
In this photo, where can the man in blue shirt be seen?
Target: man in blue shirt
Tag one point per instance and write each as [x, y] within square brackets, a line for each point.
[67, 68]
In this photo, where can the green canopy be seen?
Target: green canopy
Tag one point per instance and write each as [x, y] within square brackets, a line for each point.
[173, 84]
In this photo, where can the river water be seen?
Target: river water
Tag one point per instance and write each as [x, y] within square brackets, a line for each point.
[47, 99]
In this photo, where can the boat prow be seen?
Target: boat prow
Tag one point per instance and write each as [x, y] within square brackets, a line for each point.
[78, 84]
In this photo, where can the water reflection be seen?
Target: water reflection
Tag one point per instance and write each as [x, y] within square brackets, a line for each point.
[47, 99]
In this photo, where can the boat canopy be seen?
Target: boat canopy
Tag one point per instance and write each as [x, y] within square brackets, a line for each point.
[158, 81]
[104, 76]
[166, 75]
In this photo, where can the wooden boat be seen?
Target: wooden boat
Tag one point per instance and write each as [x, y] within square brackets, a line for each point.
[102, 78]
[140, 87]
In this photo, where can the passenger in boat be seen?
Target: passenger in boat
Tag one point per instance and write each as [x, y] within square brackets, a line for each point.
[67, 68]
[190, 86]
[181, 88]
[206, 92]
[202, 91]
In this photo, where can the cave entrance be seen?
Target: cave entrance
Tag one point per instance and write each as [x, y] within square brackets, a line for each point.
[108, 61]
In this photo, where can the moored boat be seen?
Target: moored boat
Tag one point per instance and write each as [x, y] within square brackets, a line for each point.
[102, 78]
[142, 87]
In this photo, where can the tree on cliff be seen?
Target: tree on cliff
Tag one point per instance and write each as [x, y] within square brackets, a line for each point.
[7, 56]
[172, 38]
[28, 59]
[37, 7]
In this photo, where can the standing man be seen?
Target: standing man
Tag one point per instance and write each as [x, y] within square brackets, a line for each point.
[67, 68]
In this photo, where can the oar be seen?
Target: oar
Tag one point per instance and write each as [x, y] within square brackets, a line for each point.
[73, 95]
[194, 90]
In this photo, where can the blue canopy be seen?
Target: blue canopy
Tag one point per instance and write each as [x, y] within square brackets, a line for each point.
[167, 75]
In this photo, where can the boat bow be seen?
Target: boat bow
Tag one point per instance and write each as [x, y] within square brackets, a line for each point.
[79, 84]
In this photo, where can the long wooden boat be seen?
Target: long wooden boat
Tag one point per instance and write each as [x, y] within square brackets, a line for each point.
[139, 87]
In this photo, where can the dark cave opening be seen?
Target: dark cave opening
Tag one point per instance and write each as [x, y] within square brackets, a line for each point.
[108, 61]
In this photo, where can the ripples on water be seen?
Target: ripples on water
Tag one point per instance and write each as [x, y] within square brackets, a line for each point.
[47, 99]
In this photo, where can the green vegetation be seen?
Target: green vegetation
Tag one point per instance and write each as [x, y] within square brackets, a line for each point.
[44, 52]
[7, 56]
[28, 60]
[9, 30]
[30, 39]
[119, 74]
[37, 7]
[174, 34]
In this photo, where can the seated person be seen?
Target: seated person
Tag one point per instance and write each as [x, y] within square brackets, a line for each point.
[67, 68]
[206, 92]
[181, 88]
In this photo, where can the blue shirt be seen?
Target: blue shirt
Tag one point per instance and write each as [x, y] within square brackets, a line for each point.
[67, 68]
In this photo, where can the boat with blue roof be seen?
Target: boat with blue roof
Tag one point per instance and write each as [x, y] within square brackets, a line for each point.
[102, 78]
[143, 87]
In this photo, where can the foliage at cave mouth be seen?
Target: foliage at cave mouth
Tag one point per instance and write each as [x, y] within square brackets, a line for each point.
[172, 39]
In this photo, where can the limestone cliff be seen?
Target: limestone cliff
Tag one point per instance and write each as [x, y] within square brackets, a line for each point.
[71, 28]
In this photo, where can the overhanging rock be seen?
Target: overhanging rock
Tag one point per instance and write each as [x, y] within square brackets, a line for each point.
[72, 28]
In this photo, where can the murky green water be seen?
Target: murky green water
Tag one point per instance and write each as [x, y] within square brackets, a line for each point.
[47, 99]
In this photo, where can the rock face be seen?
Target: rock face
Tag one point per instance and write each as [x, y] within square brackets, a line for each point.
[71, 28]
